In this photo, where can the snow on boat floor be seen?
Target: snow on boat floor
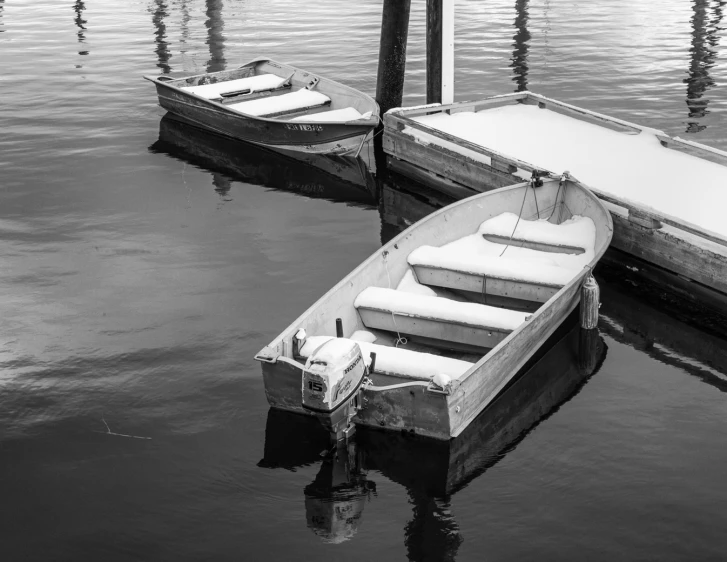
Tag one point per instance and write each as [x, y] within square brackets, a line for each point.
[438, 318]
[634, 167]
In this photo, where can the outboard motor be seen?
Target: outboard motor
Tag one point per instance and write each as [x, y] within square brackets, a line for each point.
[332, 378]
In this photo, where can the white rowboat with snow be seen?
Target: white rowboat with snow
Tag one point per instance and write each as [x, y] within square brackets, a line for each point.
[435, 324]
[275, 105]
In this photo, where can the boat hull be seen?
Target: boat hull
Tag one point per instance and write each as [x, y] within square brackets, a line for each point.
[415, 405]
[281, 136]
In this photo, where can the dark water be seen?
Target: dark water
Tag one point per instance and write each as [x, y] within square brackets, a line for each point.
[145, 263]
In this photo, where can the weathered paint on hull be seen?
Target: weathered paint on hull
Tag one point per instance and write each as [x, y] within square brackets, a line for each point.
[407, 407]
[281, 136]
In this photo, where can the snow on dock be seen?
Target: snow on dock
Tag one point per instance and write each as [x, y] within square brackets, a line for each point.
[634, 167]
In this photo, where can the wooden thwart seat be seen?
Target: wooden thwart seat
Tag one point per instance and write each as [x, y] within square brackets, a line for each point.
[469, 325]
[509, 258]
[251, 84]
[398, 362]
[487, 276]
[533, 244]
[571, 237]
[274, 106]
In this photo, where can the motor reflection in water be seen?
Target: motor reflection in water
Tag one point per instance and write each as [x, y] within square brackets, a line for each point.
[335, 500]
[432, 471]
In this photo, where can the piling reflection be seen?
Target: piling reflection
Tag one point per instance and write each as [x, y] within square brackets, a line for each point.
[431, 471]
[215, 38]
[160, 36]
[403, 202]
[340, 179]
[521, 40]
[78, 8]
[184, 26]
[705, 22]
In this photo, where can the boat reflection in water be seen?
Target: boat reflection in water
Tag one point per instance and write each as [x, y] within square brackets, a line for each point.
[665, 332]
[336, 178]
[431, 470]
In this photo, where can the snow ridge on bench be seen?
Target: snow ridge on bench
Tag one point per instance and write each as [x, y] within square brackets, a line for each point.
[441, 309]
[298, 100]
[399, 362]
[577, 231]
[253, 83]
[474, 255]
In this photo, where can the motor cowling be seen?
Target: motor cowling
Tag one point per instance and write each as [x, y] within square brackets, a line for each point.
[332, 377]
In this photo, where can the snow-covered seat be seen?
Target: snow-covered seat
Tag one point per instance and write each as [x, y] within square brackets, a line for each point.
[398, 362]
[249, 85]
[273, 106]
[466, 324]
[540, 259]
[571, 237]
[489, 275]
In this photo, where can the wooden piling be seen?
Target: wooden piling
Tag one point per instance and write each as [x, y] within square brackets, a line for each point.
[447, 51]
[392, 54]
[440, 51]
[590, 302]
[434, 51]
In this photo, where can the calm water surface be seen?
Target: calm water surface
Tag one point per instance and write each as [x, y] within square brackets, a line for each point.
[144, 264]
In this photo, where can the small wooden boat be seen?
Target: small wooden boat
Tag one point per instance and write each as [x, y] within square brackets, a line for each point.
[426, 332]
[274, 105]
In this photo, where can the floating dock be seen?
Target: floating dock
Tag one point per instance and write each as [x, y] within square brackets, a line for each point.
[666, 195]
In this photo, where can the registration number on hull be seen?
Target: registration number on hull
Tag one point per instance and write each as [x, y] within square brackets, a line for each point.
[303, 127]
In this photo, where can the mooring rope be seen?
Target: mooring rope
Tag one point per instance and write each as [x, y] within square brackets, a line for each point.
[400, 339]
[520, 214]
[565, 176]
